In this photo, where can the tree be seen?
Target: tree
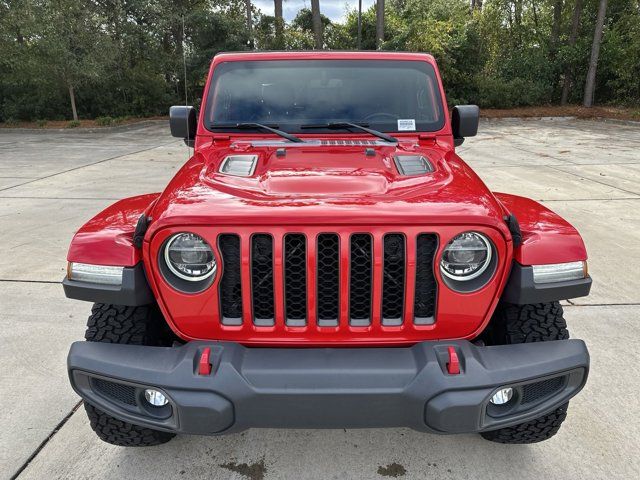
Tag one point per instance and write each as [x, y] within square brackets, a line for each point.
[595, 52]
[317, 24]
[72, 47]
[277, 8]
[379, 24]
[125, 57]
[359, 43]
[573, 36]
[247, 4]
[365, 24]
[555, 27]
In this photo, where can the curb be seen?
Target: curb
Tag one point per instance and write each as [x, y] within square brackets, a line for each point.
[618, 121]
[114, 128]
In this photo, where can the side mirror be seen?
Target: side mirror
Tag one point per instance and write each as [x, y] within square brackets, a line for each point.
[183, 122]
[464, 122]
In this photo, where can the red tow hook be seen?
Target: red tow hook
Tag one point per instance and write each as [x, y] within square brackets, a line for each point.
[204, 365]
[453, 366]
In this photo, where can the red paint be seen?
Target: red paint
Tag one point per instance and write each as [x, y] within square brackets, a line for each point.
[204, 364]
[318, 189]
[107, 239]
[546, 237]
[453, 365]
[197, 316]
[320, 185]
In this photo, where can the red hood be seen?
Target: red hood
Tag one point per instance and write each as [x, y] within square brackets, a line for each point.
[320, 184]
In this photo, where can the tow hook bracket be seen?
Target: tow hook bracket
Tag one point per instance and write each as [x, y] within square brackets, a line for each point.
[453, 365]
[204, 365]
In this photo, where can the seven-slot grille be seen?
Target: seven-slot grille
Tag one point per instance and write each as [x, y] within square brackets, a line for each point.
[370, 270]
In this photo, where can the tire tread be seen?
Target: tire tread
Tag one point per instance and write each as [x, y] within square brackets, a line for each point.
[142, 325]
[540, 322]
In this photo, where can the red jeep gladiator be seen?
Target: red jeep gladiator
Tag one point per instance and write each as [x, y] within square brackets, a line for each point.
[326, 260]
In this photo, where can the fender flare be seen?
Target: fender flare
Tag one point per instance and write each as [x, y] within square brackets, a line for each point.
[546, 238]
[108, 239]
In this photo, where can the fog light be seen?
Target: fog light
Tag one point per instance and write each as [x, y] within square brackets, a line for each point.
[155, 398]
[502, 396]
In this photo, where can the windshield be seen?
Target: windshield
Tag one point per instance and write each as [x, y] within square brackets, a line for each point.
[385, 95]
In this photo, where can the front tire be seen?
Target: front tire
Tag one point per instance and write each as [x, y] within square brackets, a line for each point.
[123, 434]
[142, 325]
[540, 322]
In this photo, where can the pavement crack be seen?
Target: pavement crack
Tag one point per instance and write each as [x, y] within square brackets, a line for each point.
[586, 199]
[589, 179]
[621, 304]
[58, 198]
[84, 166]
[45, 441]
[10, 280]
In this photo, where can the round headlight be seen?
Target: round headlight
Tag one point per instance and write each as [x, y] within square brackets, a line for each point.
[190, 257]
[466, 256]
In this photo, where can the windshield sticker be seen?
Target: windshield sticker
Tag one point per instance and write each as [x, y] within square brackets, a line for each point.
[406, 124]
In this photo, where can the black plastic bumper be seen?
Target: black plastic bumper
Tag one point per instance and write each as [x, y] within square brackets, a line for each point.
[133, 292]
[522, 290]
[328, 388]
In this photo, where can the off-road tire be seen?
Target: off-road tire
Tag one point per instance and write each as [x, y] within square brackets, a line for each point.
[540, 322]
[142, 325]
[537, 430]
[123, 434]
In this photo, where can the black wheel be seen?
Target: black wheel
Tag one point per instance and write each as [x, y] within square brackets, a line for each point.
[133, 326]
[540, 322]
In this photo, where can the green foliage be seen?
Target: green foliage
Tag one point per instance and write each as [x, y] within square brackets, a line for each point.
[517, 92]
[125, 57]
[104, 121]
[621, 57]
[73, 124]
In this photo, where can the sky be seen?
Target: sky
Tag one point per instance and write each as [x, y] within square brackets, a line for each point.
[334, 9]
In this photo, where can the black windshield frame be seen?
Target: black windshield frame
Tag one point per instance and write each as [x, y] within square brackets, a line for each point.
[390, 69]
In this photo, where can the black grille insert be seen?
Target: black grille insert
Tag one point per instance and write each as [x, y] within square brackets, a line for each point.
[360, 278]
[295, 279]
[230, 284]
[115, 391]
[262, 279]
[328, 297]
[393, 275]
[540, 390]
[424, 305]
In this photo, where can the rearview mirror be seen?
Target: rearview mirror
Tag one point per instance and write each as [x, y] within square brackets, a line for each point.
[183, 123]
[464, 122]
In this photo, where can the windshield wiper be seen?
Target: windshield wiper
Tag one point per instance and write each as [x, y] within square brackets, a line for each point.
[347, 125]
[262, 126]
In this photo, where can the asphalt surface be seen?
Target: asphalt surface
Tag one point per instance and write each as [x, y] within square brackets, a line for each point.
[52, 182]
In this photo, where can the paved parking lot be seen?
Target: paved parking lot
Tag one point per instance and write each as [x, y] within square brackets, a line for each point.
[52, 182]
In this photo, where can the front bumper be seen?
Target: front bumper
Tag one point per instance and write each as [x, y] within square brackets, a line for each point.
[328, 387]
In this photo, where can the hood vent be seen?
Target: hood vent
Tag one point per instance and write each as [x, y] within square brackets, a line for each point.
[412, 165]
[239, 165]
